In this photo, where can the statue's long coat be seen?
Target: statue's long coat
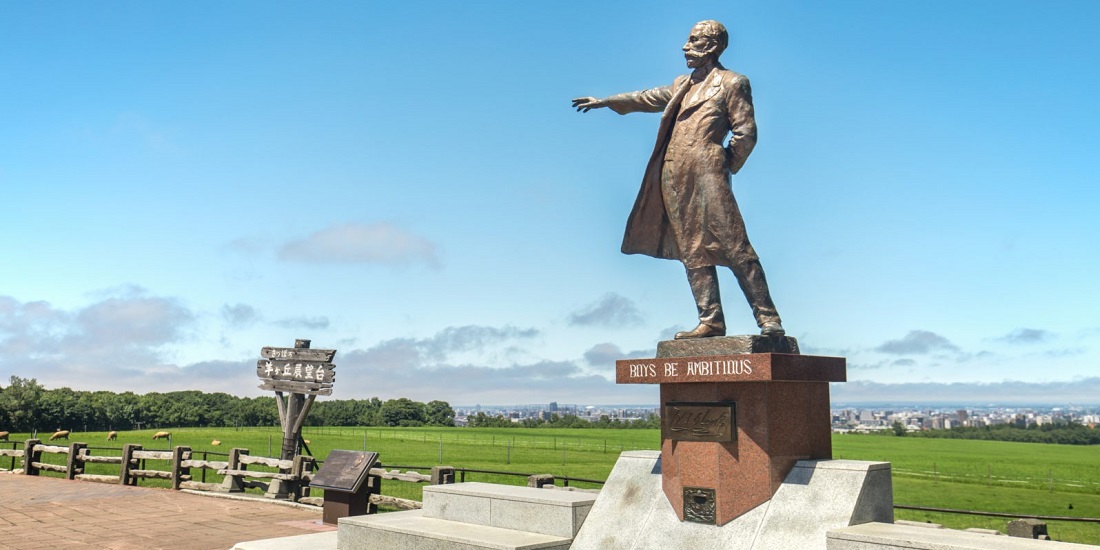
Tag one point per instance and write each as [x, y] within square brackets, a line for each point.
[685, 208]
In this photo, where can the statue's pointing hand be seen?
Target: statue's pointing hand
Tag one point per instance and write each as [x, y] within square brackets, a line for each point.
[585, 104]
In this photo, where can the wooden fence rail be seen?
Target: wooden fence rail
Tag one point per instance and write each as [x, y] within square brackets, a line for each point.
[281, 479]
[13, 453]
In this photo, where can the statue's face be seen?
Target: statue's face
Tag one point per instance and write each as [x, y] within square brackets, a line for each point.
[699, 47]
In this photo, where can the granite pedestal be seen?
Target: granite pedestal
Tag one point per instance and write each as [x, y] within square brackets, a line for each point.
[718, 465]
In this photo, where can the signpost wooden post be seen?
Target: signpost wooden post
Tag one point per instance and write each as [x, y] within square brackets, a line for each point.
[303, 374]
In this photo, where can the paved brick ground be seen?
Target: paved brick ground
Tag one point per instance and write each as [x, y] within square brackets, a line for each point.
[42, 512]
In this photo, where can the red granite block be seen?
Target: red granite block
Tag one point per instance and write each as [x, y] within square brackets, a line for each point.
[778, 422]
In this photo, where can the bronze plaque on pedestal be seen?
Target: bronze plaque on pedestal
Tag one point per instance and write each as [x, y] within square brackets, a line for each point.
[694, 421]
[699, 505]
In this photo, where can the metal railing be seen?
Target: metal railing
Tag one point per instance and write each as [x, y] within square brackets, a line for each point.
[995, 514]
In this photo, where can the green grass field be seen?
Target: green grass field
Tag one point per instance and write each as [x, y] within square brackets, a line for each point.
[991, 476]
[1020, 478]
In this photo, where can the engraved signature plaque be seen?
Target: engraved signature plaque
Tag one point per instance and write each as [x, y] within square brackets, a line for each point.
[694, 421]
[699, 505]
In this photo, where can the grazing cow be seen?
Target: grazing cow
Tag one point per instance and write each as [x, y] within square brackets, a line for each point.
[60, 434]
[112, 436]
[162, 435]
[215, 442]
[3, 436]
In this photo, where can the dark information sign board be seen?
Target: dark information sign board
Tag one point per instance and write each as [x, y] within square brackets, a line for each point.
[303, 388]
[344, 471]
[295, 371]
[694, 421]
[298, 354]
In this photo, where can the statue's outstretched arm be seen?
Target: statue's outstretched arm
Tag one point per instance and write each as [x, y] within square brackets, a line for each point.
[585, 104]
[645, 101]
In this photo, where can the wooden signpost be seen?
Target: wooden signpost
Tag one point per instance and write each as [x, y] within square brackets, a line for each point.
[303, 374]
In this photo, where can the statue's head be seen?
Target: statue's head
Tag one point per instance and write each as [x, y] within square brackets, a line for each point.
[707, 41]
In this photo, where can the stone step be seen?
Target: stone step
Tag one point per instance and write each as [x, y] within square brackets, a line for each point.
[543, 511]
[313, 541]
[412, 529]
[907, 537]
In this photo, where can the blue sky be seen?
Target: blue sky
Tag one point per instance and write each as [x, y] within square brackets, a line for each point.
[188, 182]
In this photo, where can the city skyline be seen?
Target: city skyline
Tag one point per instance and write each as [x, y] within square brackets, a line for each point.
[407, 184]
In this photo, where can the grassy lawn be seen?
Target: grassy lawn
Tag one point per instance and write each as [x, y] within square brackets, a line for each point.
[1022, 478]
[1068, 468]
[991, 476]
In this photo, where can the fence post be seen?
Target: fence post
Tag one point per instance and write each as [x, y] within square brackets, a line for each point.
[374, 487]
[540, 480]
[127, 463]
[443, 475]
[1028, 529]
[73, 463]
[30, 456]
[300, 486]
[232, 483]
[178, 471]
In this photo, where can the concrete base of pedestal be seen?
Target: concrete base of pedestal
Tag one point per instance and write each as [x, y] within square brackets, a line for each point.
[632, 511]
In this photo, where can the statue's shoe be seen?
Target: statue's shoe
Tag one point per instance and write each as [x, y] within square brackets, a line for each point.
[772, 328]
[701, 331]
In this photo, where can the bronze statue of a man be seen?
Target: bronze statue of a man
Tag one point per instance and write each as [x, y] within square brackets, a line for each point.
[685, 209]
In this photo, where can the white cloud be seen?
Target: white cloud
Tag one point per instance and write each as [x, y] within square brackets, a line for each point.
[239, 315]
[604, 356]
[1027, 336]
[611, 310]
[425, 369]
[358, 243]
[390, 372]
[117, 342]
[313, 323]
[917, 342]
[121, 342]
[1080, 391]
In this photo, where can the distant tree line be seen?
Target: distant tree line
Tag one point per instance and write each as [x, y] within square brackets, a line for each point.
[482, 420]
[26, 406]
[1061, 433]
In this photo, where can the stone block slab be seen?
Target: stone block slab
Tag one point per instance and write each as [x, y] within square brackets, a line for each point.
[887, 536]
[414, 531]
[543, 511]
[818, 495]
[467, 508]
[315, 541]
